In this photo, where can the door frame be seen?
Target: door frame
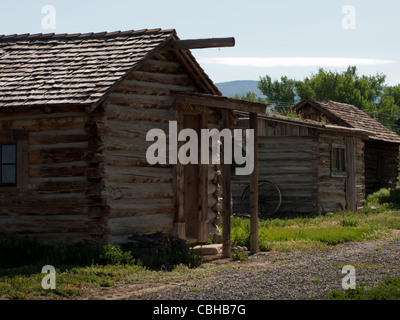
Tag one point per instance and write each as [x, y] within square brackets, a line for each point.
[351, 187]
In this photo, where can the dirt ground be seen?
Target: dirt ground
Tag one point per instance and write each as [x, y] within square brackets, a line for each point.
[131, 290]
[266, 275]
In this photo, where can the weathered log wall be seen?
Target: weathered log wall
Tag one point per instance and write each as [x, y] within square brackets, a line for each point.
[297, 158]
[142, 197]
[332, 188]
[50, 202]
[381, 158]
[87, 177]
[214, 181]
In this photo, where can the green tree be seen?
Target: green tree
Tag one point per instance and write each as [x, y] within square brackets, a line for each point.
[367, 93]
[280, 93]
[393, 92]
[250, 96]
[388, 108]
[347, 87]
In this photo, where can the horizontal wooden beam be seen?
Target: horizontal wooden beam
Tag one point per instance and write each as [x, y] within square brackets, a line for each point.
[202, 43]
[218, 102]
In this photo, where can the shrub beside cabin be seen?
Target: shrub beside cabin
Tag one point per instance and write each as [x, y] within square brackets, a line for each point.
[74, 113]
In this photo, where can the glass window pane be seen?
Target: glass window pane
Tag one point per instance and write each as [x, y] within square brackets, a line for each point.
[338, 159]
[8, 153]
[342, 160]
[335, 159]
[8, 174]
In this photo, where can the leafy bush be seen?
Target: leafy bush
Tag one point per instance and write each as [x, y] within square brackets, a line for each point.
[113, 254]
[239, 254]
[385, 196]
[240, 232]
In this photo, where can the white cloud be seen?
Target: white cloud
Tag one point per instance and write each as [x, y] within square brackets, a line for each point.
[293, 62]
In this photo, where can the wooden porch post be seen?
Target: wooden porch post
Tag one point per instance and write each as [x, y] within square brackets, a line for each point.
[203, 203]
[254, 188]
[226, 205]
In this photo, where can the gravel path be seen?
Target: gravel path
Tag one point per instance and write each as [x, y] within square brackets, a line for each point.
[292, 276]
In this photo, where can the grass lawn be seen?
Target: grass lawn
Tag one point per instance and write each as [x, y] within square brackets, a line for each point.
[301, 232]
[84, 267]
[388, 289]
[379, 219]
[77, 282]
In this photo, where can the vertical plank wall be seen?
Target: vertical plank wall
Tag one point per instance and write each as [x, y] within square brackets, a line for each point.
[287, 156]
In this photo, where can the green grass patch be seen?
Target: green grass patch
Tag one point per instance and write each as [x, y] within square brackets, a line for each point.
[70, 283]
[385, 196]
[290, 232]
[328, 235]
[317, 232]
[81, 266]
[388, 289]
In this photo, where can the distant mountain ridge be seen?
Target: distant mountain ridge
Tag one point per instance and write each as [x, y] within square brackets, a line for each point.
[240, 87]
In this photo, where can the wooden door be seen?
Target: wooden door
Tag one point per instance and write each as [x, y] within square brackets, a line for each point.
[191, 188]
[191, 176]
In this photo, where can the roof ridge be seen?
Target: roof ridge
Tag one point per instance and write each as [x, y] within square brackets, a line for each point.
[331, 101]
[36, 36]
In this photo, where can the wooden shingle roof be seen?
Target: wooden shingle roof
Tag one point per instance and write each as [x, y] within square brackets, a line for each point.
[350, 116]
[54, 69]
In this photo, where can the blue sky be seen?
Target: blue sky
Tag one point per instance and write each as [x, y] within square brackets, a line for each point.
[286, 37]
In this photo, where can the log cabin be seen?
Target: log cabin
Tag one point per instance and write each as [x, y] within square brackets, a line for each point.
[318, 167]
[74, 113]
[381, 154]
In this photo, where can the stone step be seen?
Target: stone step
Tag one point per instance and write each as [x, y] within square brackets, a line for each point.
[209, 249]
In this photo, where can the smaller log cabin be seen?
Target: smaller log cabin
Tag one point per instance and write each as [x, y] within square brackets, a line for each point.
[318, 167]
[381, 154]
[74, 113]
